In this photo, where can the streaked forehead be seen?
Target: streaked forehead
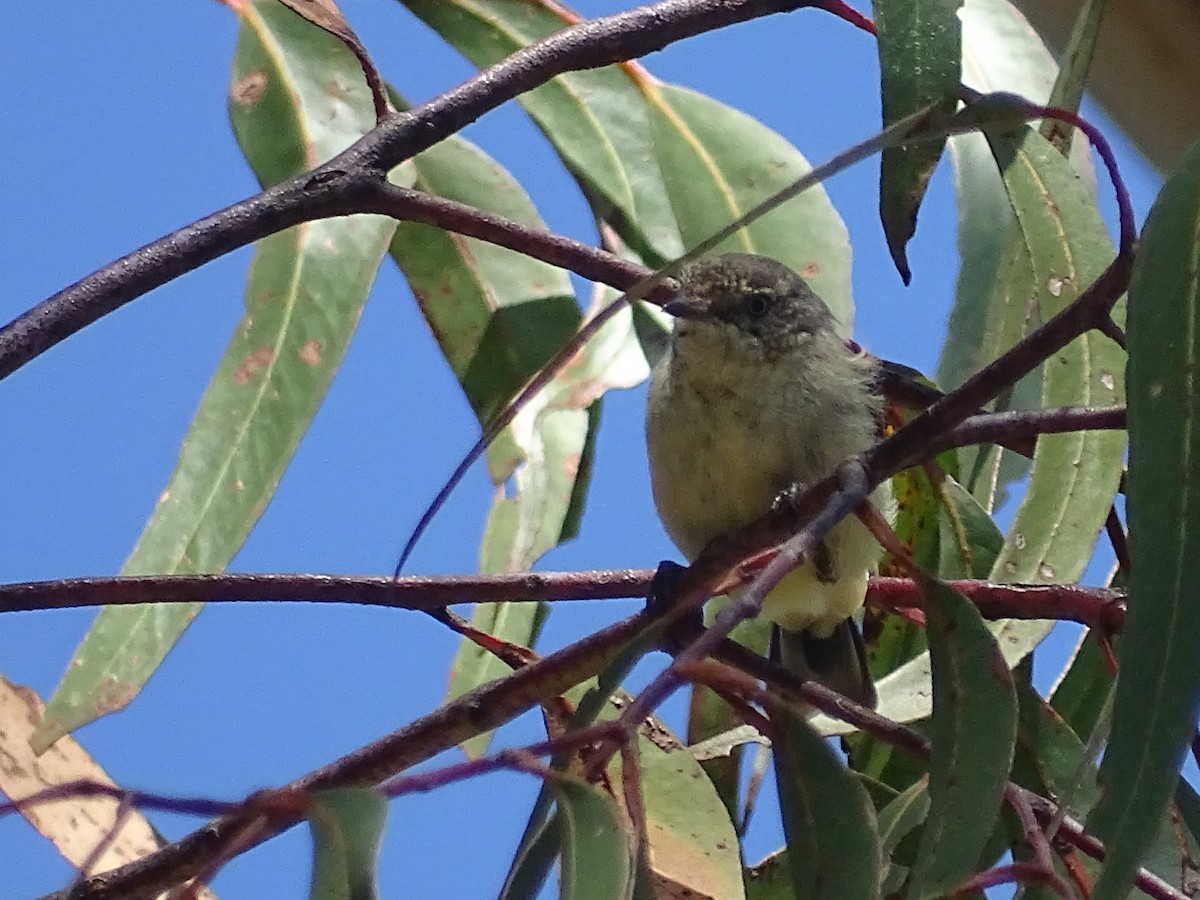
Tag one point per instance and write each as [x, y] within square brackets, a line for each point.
[737, 271]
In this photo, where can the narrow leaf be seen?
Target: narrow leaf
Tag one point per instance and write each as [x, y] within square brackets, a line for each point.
[1001, 52]
[920, 46]
[1082, 691]
[297, 98]
[949, 536]
[693, 849]
[347, 829]
[1072, 80]
[709, 715]
[1158, 688]
[828, 817]
[973, 731]
[1074, 477]
[899, 820]
[597, 851]
[498, 316]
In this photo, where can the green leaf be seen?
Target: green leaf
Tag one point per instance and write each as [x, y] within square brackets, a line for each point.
[770, 879]
[718, 163]
[1074, 477]
[905, 695]
[1082, 691]
[498, 317]
[902, 816]
[1158, 689]
[709, 715]
[828, 817]
[595, 119]
[1001, 52]
[297, 98]
[1072, 80]
[1049, 755]
[691, 838]
[973, 731]
[949, 533]
[950, 536]
[597, 853]
[920, 45]
[1050, 761]
[899, 820]
[693, 848]
[347, 828]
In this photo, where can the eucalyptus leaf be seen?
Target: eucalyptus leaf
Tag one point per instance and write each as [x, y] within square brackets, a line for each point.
[297, 98]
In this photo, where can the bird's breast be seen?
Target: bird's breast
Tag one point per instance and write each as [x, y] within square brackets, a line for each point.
[719, 451]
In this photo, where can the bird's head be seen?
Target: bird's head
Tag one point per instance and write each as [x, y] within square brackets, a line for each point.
[754, 300]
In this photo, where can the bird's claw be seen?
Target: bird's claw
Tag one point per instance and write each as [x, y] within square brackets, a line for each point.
[661, 599]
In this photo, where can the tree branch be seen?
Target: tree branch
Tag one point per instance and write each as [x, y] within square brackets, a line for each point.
[339, 187]
[482, 709]
[1100, 608]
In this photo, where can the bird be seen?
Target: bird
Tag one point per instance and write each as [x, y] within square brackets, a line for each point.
[756, 392]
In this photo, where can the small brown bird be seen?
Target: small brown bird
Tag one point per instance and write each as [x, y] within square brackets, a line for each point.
[756, 392]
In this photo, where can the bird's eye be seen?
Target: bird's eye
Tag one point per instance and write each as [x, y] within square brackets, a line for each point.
[758, 303]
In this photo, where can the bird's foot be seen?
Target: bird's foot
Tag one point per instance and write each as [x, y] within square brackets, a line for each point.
[661, 600]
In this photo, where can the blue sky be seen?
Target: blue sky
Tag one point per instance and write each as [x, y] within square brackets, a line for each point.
[116, 134]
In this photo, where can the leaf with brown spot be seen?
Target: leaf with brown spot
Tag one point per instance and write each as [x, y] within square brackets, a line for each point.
[263, 395]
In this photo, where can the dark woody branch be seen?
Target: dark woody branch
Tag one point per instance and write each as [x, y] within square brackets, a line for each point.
[588, 45]
[480, 710]
[1098, 607]
[342, 186]
[475, 712]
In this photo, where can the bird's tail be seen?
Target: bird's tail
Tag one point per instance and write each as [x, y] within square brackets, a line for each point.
[838, 661]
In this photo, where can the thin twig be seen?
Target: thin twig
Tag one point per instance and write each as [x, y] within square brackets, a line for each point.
[475, 712]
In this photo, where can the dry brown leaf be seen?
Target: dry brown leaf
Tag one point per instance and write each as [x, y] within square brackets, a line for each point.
[76, 826]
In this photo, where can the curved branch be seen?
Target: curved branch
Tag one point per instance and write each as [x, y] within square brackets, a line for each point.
[590, 262]
[109, 288]
[477, 711]
[588, 45]
[337, 187]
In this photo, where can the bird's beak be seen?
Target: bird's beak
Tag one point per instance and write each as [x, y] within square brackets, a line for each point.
[684, 307]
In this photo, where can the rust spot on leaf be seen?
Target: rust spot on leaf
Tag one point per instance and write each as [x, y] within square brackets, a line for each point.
[114, 695]
[249, 89]
[253, 364]
[810, 270]
[310, 353]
